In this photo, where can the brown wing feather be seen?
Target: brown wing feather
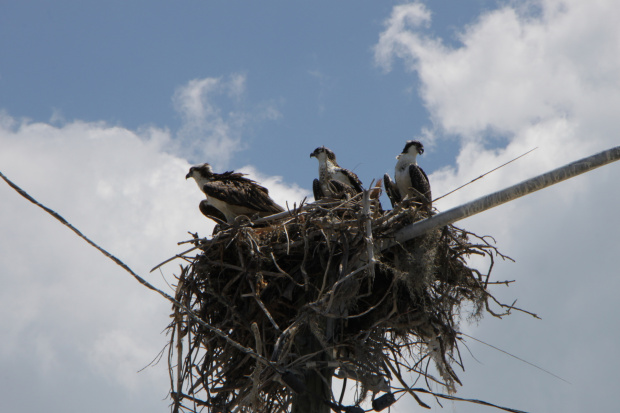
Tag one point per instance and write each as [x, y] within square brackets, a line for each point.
[317, 190]
[353, 178]
[341, 190]
[211, 212]
[419, 182]
[243, 192]
[391, 190]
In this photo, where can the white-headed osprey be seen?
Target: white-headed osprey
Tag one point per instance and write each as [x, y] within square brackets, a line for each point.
[411, 180]
[334, 181]
[231, 194]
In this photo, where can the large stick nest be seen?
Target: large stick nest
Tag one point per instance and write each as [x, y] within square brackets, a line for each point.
[314, 290]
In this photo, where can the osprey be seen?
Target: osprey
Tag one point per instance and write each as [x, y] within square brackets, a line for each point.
[334, 181]
[411, 180]
[231, 194]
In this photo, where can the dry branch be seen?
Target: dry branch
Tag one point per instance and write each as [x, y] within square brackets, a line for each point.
[315, 295]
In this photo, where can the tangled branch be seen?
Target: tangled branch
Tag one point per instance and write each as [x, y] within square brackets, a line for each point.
[319, 276]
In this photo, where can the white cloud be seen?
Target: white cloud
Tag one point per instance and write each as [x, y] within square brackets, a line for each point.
[396, 40]
[524, 78]
[115, 355]
[205, 127]
[210, 133]
[513, 70]
[520, 80]
[71, 316]
[281, 192]
[63, 294]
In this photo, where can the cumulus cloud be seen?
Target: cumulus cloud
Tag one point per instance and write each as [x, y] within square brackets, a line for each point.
[545, 77]
[208, 132]
[73, 316]
[513, 69]
[397, 40]
[124, 192]
[282, 193]
[517, 81]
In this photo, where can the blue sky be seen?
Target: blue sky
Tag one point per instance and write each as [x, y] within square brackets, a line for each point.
[105, 105]
[308, 62]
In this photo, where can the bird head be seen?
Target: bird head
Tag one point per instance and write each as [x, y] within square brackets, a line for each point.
[323, 153]
[200, 172]
[414, 147]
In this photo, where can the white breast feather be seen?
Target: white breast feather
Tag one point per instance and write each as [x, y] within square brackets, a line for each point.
[401, 174]
[339, 176]
[326, 174]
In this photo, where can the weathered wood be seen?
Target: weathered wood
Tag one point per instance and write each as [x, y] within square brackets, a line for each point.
[505, 195]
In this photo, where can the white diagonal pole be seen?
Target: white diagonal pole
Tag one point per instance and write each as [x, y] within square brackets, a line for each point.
[505, 195]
